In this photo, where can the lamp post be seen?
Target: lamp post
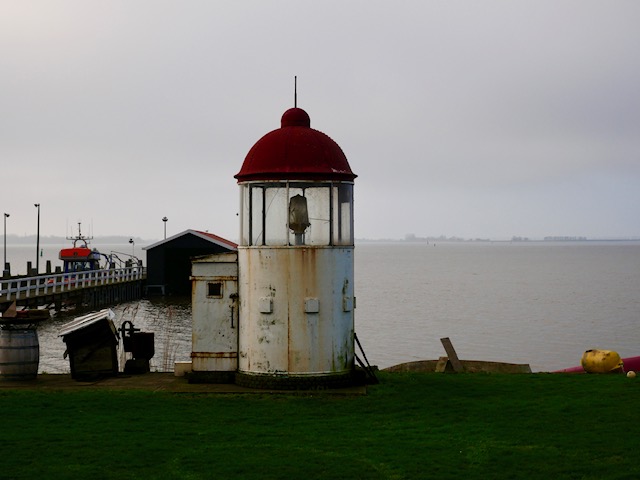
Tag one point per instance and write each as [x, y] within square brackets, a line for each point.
[4, 265]
[165, 219]
[133, 247]
[37, 205]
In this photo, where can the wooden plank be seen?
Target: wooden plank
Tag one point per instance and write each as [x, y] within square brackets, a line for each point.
[453, 356]
[442, 364]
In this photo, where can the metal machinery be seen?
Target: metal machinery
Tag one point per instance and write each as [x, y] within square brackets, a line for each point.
[141, 345]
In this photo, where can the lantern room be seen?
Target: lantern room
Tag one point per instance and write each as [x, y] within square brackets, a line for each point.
[296, 188]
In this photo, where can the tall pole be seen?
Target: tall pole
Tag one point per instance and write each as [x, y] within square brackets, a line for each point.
[4, 265]
[37, 205]
[164, 219]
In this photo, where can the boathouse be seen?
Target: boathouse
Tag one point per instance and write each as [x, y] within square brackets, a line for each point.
[169, 261]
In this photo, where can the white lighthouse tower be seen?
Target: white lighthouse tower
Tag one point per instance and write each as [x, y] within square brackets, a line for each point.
[295, 260]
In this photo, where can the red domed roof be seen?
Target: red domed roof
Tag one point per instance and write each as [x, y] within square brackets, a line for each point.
[295, 151]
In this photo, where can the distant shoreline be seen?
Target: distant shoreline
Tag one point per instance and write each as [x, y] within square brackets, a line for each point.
[13, 239]
[489, 240]
[53, 240]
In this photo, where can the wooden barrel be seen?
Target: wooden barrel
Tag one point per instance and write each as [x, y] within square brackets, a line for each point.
[19, 354]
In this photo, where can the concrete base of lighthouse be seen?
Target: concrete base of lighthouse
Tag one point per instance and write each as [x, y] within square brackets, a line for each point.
[296, 317]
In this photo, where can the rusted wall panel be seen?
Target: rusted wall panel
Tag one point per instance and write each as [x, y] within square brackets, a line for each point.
[290, 339]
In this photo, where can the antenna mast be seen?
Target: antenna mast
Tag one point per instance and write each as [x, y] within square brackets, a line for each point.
[295, 91]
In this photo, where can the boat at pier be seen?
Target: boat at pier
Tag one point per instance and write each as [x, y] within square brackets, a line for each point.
[88, 277]
[82, 258]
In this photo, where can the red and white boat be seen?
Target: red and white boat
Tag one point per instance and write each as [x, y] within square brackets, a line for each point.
[81, 258]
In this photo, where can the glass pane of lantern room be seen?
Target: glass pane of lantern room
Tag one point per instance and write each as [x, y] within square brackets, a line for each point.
[245, 214]
[255, 215]
[277, 209]
[318, 207]
[343, 214]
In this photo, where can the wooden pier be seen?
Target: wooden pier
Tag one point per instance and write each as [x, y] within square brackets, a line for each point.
[92, 288]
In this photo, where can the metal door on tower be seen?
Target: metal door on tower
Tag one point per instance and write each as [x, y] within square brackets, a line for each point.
[215, 313]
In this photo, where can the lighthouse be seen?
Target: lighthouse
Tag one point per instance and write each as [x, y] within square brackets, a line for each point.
[295, 260]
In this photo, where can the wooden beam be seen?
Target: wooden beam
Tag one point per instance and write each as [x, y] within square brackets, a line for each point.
[453, 356]
[443, 365]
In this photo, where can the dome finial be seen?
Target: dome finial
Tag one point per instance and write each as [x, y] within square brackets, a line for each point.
[295, 91]
[295, 117]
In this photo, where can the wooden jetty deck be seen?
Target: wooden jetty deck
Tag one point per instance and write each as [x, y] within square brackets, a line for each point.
[93, 288]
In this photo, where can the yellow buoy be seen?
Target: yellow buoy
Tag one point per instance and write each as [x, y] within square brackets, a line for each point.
[601, 361]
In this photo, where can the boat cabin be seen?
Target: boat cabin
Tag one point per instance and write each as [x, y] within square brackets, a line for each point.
[80, 259]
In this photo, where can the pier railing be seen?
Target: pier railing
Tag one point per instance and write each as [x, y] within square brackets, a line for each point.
[30, 287]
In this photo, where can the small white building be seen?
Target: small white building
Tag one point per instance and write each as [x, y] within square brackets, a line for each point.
[215, 315]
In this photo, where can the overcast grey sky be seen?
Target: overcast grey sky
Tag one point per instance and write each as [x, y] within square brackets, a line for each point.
[465, 118]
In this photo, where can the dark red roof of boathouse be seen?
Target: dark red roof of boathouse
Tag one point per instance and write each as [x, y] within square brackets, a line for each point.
[295, 151]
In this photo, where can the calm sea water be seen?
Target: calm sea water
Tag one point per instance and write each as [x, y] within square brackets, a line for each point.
[538, 303]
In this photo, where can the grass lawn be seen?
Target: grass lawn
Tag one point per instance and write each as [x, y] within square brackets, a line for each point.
[464, 426]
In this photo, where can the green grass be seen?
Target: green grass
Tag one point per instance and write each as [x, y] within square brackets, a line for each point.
[410, 426]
